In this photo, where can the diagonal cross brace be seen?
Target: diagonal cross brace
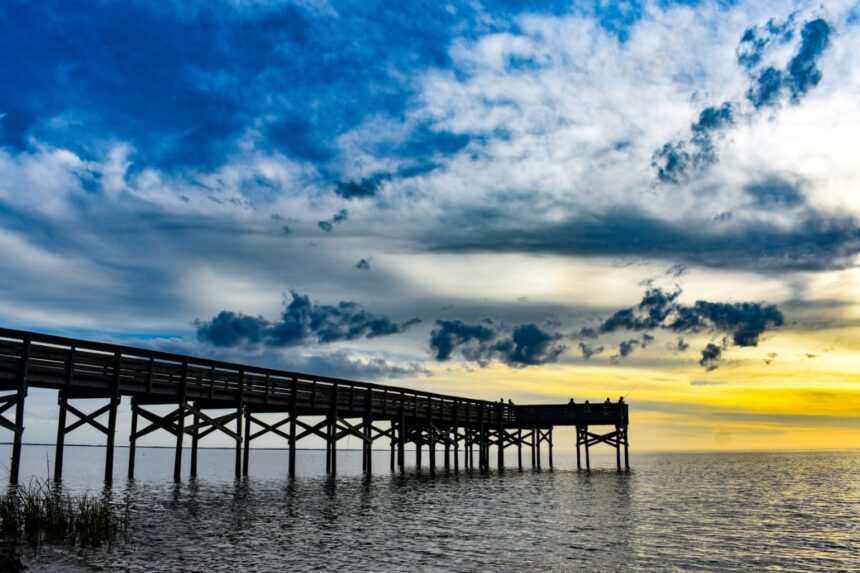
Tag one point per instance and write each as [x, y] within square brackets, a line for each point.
[87, 419]
[215, 423]
[269, 428]
[163, 422]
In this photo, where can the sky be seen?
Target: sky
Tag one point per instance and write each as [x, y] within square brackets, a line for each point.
[528, 200]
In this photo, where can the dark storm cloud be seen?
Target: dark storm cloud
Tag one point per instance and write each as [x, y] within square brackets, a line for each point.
[711, 357]
[676, 161]
[360, 189]
[775, 192]
[816, 241]
[588, 350]
[743, 323]
[527, 345]
[302, 322]
[454, 334]
[680, 345]
[363, 265]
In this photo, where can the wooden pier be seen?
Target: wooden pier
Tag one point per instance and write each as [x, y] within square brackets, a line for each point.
[329, 408]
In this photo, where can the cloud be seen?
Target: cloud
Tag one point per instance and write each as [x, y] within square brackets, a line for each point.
[802, 72]
[625, 349]
[815, 240]
[360, 189]
[363, 265]
[302, 322]
[775, 192]
[588, 350]
[527, 345]
[336, 219]
[342, 364]
[743, 322]
[771, 356]
[677, 270]
[677, 160]
[674, 160]
[470, 339]
[711, 357]
[700, 382]
[680, 345]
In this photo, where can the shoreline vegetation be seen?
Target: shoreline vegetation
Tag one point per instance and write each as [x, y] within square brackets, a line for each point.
[41, 513]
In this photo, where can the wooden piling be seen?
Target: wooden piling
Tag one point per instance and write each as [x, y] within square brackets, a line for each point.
[456, 436]
[180, 422]
[21, 395]
[61, 438]
[114, 403]
[195, 438]
[587, 458]
[240, 408]
[520, 449]
[246, 450]
[132, 439]
[333, 429]
[294, 390]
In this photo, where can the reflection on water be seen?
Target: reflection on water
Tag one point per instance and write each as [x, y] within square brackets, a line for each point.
[673, 512]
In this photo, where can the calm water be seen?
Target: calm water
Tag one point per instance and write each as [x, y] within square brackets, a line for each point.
[673, 512]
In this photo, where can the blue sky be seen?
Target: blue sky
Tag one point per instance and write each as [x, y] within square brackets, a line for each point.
[422, 191]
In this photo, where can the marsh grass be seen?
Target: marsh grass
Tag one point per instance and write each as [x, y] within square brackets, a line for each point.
[40, 512]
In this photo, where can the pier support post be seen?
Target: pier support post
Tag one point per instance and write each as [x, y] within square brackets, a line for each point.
[520, 449]
[61, 437]
[180, 422]
[585, 438]
[246, 450]
[456, 436]
[500, 438]
[240, 407]
[539, 440]
[626, 458]
[294, 390]
[401, 439]
[333, 431]
[549, 442]
[578, 440]
[393, 434]
[618, 448]
[18, 425]
[368, 435]
[114, 402]
[195, 438]
[534, 445]
[132, 439]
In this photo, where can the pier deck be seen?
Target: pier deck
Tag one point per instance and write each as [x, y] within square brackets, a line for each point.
[86, 370]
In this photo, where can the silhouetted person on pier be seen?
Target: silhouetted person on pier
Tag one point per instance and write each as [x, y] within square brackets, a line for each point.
[510, 402]
[587, 406]
[621, 399]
